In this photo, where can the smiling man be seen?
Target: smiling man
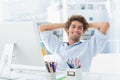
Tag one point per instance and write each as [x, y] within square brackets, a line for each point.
[74, 48]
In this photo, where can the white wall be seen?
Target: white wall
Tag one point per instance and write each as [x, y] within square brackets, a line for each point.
[4, 11]
[114, 32]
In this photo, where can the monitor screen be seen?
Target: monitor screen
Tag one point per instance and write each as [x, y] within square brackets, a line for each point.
[25, 36]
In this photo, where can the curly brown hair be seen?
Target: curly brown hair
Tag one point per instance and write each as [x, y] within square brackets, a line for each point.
[78, 18]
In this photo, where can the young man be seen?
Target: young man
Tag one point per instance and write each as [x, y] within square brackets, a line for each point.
[74, 48]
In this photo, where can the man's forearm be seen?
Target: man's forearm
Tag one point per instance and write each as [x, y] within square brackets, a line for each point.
[102, 26]
[51, 26]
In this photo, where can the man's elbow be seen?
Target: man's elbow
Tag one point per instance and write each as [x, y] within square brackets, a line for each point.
[42, 28]
[106, 27]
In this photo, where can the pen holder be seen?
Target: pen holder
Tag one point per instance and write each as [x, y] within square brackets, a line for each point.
[74, 74]
[51, 76]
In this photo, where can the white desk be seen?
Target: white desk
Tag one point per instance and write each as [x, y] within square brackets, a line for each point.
[100, 76]
[36, 75]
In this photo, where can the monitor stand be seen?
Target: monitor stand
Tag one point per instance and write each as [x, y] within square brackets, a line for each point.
[6, 60]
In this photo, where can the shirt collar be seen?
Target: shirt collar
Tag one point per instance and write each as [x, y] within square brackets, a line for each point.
[79, 42]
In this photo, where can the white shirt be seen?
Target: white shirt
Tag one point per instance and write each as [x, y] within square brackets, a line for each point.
[84, 51]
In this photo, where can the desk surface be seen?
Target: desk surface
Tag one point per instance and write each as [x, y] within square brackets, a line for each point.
[36, 75]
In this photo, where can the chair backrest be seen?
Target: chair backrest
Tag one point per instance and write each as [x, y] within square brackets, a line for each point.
[106, 63]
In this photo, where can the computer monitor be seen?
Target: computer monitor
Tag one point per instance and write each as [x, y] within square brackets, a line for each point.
[25, 36]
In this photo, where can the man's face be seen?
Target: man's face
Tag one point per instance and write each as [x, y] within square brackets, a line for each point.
[75, 30]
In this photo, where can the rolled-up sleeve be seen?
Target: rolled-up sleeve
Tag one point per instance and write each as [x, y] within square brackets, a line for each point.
[50, 41]
[97, 42]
